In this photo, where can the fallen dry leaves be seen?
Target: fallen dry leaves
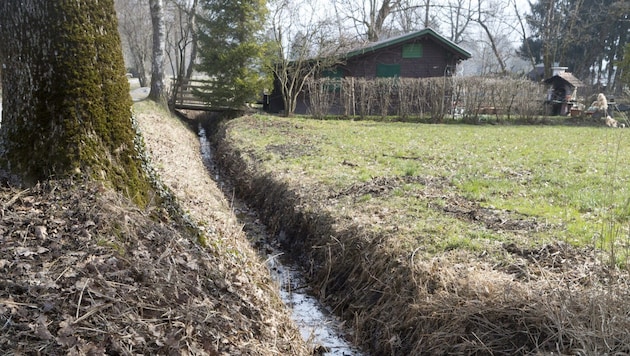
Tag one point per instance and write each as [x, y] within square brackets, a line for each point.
[84, 272]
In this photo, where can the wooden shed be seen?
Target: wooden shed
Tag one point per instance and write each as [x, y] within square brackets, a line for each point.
[419, 54]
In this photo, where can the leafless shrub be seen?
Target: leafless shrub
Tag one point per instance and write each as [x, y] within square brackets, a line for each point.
[408, 91]
[528, 101]
[321, 95]
[438, 90]
[469, 98]
[347, 97]
[364, 98]
[384, 88]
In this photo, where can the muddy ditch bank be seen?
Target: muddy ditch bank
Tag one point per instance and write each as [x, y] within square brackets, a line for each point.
[397, 303]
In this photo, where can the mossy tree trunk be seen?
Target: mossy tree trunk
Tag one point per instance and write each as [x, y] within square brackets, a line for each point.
[66, 104]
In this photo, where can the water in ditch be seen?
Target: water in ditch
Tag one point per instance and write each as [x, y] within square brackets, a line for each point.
[317, 325]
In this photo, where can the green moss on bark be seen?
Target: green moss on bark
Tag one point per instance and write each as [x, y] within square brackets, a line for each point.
[74, 116]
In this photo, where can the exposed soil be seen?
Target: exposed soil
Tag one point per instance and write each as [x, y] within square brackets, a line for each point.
[85, 272]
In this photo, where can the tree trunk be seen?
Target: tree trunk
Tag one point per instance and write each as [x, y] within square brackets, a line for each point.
[427, 7]
[377, 19]
[548, 40]
[192, 24]
[157, 92]
[66, 104]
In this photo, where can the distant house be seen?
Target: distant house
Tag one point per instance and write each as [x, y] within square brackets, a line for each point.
[537, 74]
[419, 54]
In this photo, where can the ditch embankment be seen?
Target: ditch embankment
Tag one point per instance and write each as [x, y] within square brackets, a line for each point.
[318, 326]
[552, 299]
[87, 272]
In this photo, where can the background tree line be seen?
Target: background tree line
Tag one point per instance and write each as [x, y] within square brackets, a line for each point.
[505, 37]
[588, 36]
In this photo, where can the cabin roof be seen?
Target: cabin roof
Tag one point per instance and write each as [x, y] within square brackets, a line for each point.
[450, 45]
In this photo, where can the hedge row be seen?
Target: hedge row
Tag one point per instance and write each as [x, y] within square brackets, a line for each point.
[467, 98]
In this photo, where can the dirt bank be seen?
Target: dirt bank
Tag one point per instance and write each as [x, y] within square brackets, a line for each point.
[553, 299]
[85, 272]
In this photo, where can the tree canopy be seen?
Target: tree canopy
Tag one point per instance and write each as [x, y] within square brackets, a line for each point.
[231, 50]
[588, 36]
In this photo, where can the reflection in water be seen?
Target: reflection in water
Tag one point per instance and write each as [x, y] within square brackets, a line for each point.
[316, 324]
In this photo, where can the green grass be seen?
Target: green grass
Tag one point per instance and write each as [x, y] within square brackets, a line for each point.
[572, 178]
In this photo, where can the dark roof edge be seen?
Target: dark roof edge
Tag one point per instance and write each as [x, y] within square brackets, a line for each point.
[395, 40]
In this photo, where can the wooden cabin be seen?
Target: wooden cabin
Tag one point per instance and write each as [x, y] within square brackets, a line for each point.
[419, 54]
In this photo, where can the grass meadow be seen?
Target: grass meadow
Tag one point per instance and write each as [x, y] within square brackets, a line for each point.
[430, 183]
[450, 238]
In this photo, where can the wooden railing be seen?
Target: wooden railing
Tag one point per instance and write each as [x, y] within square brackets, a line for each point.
[185, 95]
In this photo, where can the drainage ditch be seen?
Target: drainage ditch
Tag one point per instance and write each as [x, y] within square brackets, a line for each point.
[317, 324]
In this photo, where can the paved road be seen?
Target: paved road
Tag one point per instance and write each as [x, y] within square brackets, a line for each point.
[140, 93]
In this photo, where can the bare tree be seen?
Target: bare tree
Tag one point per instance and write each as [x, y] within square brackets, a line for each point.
[458, 14]
[134, 25]
[182, 42]
[191, 30]
[414, 16]
[302, 46]
[427, 11]
[494, 14]
[549, 17]
[368, 17]
[523, 34]
[158, 93]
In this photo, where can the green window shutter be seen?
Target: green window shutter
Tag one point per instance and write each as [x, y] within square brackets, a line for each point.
[412, 50]
[388, 70]
[333, 73]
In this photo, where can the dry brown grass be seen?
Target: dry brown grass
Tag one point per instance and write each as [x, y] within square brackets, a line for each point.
[553, 299]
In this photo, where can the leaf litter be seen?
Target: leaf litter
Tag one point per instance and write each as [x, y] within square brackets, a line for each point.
[85, 272]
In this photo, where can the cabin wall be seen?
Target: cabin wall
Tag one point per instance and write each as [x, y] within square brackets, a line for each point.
[432, 64]
[436, 61]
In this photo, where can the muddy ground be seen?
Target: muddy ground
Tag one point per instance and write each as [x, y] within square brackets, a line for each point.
[85, 272]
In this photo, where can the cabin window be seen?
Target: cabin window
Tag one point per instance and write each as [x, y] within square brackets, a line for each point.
[412, 50]
[387, 70]
[334, 75]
